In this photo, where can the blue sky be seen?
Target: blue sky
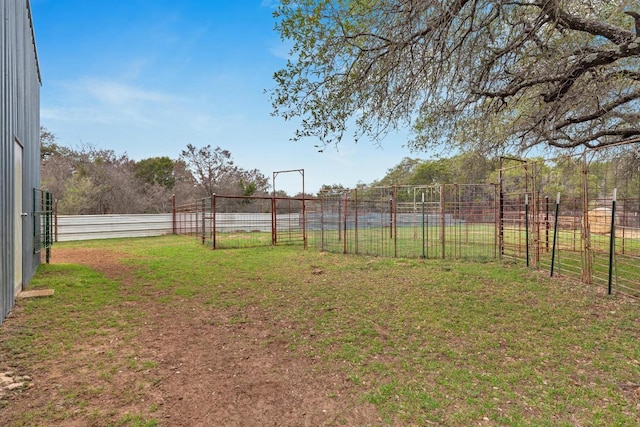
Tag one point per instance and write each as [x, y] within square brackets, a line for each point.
[148, 77]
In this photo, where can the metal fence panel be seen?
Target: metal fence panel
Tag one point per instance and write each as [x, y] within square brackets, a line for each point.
[438, 221]
[239, 221]
[573, 228]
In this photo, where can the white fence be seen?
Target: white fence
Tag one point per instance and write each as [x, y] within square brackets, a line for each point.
[88, 227]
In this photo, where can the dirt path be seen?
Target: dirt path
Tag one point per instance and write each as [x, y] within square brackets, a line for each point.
[189, 366]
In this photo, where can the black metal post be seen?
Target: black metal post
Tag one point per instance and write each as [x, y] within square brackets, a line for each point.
[47, 227]
[555, 234]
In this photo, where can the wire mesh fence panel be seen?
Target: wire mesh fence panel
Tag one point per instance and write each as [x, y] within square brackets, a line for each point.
[43, 222]
[566, 226]
[185, 219]
[558, 215]
[443, 221]
[241, 222]
[560, 245]
[224, 222]
[290, 217]
[355, 221]
[627, 246]
[615, 243]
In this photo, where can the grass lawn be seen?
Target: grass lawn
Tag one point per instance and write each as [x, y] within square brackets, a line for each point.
[421, 342]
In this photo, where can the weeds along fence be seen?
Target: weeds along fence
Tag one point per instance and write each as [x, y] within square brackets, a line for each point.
[239, 221]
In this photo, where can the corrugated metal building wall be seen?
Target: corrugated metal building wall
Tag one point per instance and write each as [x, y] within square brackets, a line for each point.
[19, 149]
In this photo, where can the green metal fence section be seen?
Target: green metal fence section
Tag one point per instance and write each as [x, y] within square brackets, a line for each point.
[43, 222]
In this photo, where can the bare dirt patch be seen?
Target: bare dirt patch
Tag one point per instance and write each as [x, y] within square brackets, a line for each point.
[182, 365]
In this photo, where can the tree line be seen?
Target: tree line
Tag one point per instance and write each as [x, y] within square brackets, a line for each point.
[563, 174]
[90, 180]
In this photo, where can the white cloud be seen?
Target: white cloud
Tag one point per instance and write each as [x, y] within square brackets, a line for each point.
[115, 93]
[271, 4]
[281, 49]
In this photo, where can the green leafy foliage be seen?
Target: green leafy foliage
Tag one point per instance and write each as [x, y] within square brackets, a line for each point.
[156, 170]
[489, 75]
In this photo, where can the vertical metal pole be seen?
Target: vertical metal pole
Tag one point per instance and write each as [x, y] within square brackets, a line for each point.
[555, 234]
[213, 213]
[382, 224]
[355, 194]
[534, 212]
[526, 224]
[427, 227]
[587, 264]
[274, 231]
[394, 204]
[391, 217]
[623, 223]
[496, 222]
[457, 227]
[344, 241]
[274, 215]
[612, 242]
[204, 221]
[304, 214]
[424, 254]
[211, 218]
[48, 210]
[196, 209]
[55, 220]
[340, 218]
[546, 223]
[442, 221]
[37, 219]
[322, 203]
[501, 210]
[173, 210]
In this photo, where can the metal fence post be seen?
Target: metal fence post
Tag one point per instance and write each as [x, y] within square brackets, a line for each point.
[526, 225]
[274, 225]
[47, 226]
[173, 213]
[587, 265]
[344, 240]
[424, 255]
[213, 214]
[355, 195]
[394, 204]
[612, 242]
[555, 234]
[442, 220]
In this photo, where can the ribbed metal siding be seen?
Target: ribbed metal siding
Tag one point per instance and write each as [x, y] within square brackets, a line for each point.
[87, 227]
[19, 119]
